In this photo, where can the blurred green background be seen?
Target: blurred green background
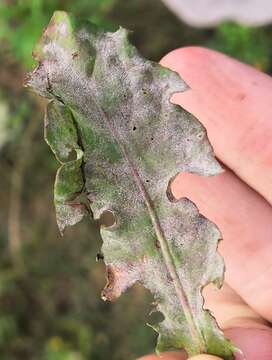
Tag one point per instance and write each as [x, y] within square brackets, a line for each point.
[50, 306]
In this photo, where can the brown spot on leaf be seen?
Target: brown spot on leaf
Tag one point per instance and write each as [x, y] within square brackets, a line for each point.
[107, 219]
[157, 244]
[169, 192]
[109, 292]
[169, 277]
[145, 92]
[119, 278]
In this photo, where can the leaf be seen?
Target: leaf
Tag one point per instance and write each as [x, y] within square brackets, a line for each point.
[112, 108]
[61, 135]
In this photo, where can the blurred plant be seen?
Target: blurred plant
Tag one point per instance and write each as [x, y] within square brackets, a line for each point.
[4, 117]
[248, 44]
[57, 350]
[22, 21]
[13, 113]
[8, 329]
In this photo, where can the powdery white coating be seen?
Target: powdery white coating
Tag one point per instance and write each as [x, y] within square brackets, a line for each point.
[211, 12]
[70, 215]
[134, 142]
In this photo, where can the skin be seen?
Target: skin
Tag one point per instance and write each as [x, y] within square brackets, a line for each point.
[233, 101]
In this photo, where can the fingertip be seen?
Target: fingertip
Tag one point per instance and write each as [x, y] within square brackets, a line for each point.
[253, 343]
[205, 357]
[166, 356]
[175, 59]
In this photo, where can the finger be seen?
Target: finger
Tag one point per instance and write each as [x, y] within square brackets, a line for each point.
[166, 356]
[254, 343]
[250, 333]
[233, 101]
[205, 357]
[229, 309]
[245, 220]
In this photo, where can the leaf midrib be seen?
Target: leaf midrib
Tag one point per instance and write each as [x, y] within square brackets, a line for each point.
[166, 253]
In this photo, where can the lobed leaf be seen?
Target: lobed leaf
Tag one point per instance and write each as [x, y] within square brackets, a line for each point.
[112, 107]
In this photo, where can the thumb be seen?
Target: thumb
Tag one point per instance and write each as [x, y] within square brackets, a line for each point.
[205, 357]
[179, 356]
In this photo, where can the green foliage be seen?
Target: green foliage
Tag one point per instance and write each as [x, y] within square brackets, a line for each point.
[51, 309]
[8, 329]
[21, 23]
[56, 349]
[4, 122]
[13, 113]
[248, 44]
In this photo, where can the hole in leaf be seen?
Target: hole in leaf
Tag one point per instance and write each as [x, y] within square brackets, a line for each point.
[107, 219]
[156, 317]
[157, 244]
[72, 155]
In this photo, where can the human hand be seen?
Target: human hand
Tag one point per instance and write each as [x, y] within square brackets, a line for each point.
[233, 101]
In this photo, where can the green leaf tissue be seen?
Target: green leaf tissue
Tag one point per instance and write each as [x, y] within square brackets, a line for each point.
[120, 143]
